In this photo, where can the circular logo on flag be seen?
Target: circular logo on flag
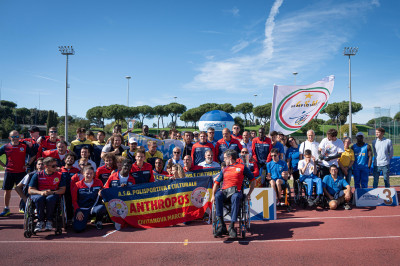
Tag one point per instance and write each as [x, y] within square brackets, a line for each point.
[301, 106]
[117, 208]
[200, 196]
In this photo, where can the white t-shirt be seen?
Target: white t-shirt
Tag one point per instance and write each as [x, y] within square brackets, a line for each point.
[93, 164]
[25, 180]
[123, 180]
[62, 156]
[89, 185]
[209, 165]
[313, 146]
[331, 148]
[310, 167]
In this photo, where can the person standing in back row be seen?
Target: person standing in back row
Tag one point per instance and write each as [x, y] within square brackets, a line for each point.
[383, 153]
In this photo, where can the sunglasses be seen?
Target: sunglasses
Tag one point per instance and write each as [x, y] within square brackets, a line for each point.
[53, 131]
[177, 152]
[245, 152]
[274, 155]
[15, 137]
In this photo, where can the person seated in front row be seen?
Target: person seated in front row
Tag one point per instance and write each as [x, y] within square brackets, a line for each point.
[232, 177]
[177, 171]
[336, 189]
[82, 162]
[86, 201]
[277, 175]
[308, 174]
[45, 189]
[209, 161]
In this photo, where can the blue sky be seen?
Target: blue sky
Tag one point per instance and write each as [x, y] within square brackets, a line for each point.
[198, 51]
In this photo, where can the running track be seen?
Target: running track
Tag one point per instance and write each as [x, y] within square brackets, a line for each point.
[368, 236]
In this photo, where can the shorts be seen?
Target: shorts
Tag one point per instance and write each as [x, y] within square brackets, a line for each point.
[283, 180]
[339, 198]
[11, 179]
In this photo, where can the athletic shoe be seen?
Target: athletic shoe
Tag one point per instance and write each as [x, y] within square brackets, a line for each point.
[310, 202]
[347, 206]
[117, 226]
[221, 228]
[39, 227]
[232, 233]
[21, 211]
[6, 212]
[49, 226]
[99, 225]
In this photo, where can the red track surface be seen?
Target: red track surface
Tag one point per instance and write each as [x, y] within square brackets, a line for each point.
[367, 236]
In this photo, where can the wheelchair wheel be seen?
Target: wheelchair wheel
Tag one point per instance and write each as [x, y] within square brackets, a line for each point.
[214, 220]
[64, 213]
[61, 217]
[29, 218]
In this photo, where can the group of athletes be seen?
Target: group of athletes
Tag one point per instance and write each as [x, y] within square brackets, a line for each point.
[44, 168]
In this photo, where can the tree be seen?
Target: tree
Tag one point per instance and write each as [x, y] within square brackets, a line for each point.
[175, 110]
[6, 112]
[378, 121]
[160, 111]
[345, 129]
[6, 126]
[23, 114]
[339, 111]
[238, 120]
[145, 111]
[207, 107]
[116, 112]
[8, 104]
[192, 115]
[245, 109]
[52, 119]
[397, 116]
[96, 116]
[227, 107]
[313, 124]
[263, 112]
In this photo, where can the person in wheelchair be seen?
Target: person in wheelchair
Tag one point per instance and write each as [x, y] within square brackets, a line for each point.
[232, 177]
[86, 201]
[336, 189]
[277, 175]
[23, 186]
[45, 190]
[308, 172]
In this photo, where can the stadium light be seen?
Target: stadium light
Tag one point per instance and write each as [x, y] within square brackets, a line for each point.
[128, 78]
[66, 50]
[350, 51]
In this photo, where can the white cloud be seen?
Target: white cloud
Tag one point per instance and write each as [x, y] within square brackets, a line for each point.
[304, 39]
[46, 78]
[234, 11]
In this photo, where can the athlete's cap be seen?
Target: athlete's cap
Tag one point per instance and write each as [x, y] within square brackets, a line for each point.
[280, 133]
[34, 129]
[132, 140]
[359, 134]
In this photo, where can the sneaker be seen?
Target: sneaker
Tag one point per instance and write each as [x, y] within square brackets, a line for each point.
[347, 206]
[49, 226]
[310, 202]
[6, 212]
[39, 227]
[221, 228]
[232, 233]
[21, 211]
[99, 225]
[117, 226]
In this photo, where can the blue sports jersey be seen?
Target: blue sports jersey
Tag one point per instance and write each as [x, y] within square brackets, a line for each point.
[333, 186]
[361, 156]
[276, 169]
[294, 155]
[279, 146]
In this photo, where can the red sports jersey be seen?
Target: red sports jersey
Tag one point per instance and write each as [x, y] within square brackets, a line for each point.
[86, 193]
[193, 168]
[46, 182]
[199, 151]
[233, 175]
[103, 173]
[162, 172]
[238, 137]
[76, 178]
[252, 166]
[142, 174]
[222, 146]
[46, 145]
[15, 156]
[261, 149]
[113, 180]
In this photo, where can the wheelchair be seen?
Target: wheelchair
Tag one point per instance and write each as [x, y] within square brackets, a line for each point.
[243, 215]
[300, 198]
[287, 195]
[30, 217]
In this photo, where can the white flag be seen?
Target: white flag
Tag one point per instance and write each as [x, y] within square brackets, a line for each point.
[295, 106]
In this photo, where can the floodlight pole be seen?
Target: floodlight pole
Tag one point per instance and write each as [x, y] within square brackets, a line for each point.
[350, 51]
[66, 50]
[128, 78]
